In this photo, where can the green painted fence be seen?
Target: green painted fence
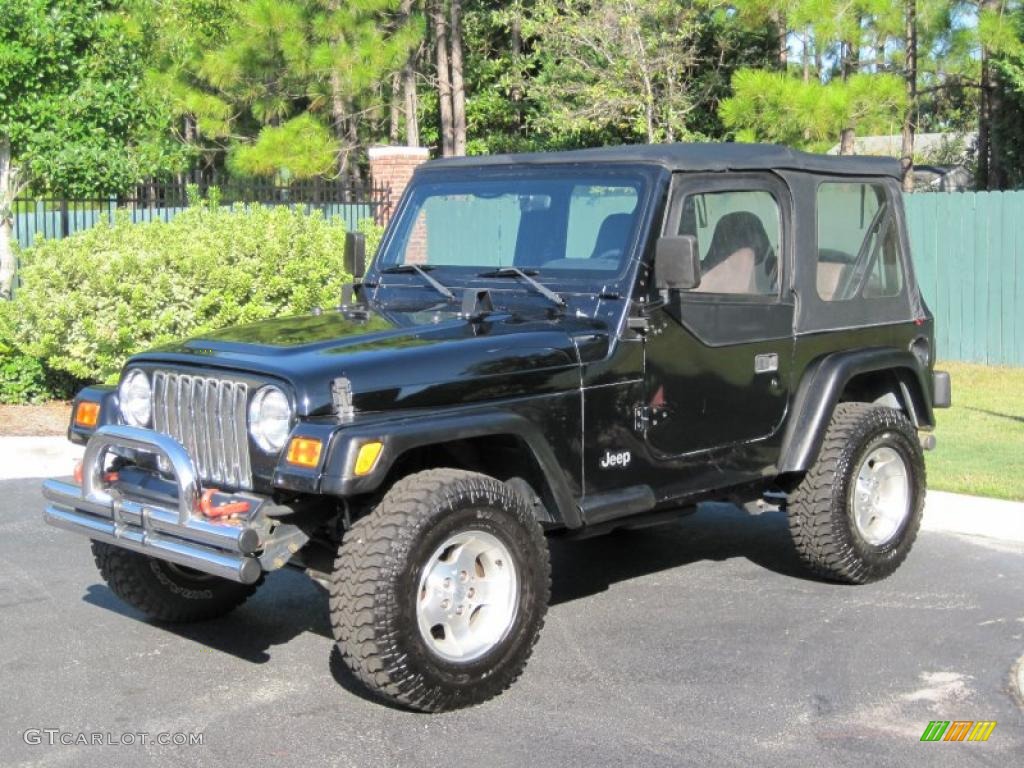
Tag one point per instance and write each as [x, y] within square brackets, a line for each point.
[969, 257]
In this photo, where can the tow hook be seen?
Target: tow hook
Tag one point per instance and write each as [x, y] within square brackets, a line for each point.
[213, 503]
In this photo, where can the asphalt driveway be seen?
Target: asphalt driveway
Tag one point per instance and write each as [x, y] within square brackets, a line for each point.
[696, 643]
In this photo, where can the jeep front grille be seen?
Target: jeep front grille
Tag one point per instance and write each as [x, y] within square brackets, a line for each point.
[208, 417]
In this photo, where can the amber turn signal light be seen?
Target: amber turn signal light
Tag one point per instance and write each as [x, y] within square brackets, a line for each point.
[304, 452]
[87, 414]
[367, 457]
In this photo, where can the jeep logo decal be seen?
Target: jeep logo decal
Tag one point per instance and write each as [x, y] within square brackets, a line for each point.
[612, 460]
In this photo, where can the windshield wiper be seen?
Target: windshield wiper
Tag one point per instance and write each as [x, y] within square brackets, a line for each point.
[433, 283]
[539, 287]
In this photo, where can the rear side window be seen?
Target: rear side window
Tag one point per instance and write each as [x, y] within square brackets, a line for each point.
[858, 244]
[738, 237]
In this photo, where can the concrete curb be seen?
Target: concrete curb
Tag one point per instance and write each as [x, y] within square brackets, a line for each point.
[32, 457]
[974, 516]
[36, 457]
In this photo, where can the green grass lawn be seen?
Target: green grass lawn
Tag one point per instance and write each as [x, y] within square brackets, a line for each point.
[981, 438]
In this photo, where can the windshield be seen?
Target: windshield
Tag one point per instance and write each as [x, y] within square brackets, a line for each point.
[545, 222]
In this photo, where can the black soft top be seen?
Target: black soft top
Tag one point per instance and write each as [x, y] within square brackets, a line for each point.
[693, 157]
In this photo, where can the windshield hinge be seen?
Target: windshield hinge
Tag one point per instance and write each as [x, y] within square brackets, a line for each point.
[476, 304]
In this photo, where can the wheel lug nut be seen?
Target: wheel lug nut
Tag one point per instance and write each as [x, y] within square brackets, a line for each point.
[447, 583]
[470, 592]
[463, 576]
[445, 605]
[459, 610]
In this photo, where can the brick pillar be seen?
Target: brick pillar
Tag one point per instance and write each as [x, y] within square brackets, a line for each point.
[392, 167]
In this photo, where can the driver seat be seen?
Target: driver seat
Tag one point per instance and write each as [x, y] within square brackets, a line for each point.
[741, 258]
[613, 235]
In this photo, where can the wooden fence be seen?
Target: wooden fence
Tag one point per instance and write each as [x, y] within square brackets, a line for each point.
[969, 257]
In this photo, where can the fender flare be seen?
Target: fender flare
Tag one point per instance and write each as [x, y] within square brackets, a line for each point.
[823, 383]
[404, 435]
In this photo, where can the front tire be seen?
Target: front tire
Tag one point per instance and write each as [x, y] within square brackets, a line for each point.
[165, 591]
[856, 513]
[438, 596]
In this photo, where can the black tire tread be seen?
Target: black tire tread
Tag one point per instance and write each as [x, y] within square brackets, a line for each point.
[818, 539]
[130, 576]
[359, 598]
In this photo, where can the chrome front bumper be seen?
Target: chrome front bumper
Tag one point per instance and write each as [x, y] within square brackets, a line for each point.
[181, 535]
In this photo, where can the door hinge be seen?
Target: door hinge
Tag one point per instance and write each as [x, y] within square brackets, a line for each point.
[641, 418]
[638, 324]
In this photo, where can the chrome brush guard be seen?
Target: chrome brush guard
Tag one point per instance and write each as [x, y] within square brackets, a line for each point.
[179, 533]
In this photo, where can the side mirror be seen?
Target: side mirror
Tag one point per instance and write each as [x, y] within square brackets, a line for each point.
[355, 254]
[676, 263]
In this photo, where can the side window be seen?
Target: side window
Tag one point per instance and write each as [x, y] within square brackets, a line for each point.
[739, 236]
[858, 246]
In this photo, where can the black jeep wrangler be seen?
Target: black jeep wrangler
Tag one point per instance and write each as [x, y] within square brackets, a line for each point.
[561, 343]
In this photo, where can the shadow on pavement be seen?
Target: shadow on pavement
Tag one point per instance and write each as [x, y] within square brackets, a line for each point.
[715, 532]
[289, 604]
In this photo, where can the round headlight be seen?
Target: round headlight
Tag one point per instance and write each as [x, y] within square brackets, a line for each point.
[270, 419]
[136, 398]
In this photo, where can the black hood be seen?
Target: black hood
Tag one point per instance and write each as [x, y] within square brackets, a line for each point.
[396, 359]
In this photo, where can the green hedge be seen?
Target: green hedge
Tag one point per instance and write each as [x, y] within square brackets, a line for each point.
[89, 301]
[22, 378]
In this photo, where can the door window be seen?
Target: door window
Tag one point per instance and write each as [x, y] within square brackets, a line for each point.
[739, 236]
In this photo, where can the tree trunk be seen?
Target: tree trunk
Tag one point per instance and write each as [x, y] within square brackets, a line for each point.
[988, 161]
[805, 55]
[395, 127]
[778, 18]
[910, 116]
[846, 138]
[996, 174]
[850, 59]
[458, 86]
[444, 82]
[353, 142]
[516, 46]
[188, 135]
[412, 102]
[984, 126]
[412, 106]
[649, 113]
[338, 121]
[7, 195]
[844, 60]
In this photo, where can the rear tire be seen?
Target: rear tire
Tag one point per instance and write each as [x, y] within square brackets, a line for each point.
[438, 595]
[164, 591]
[856, 513]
